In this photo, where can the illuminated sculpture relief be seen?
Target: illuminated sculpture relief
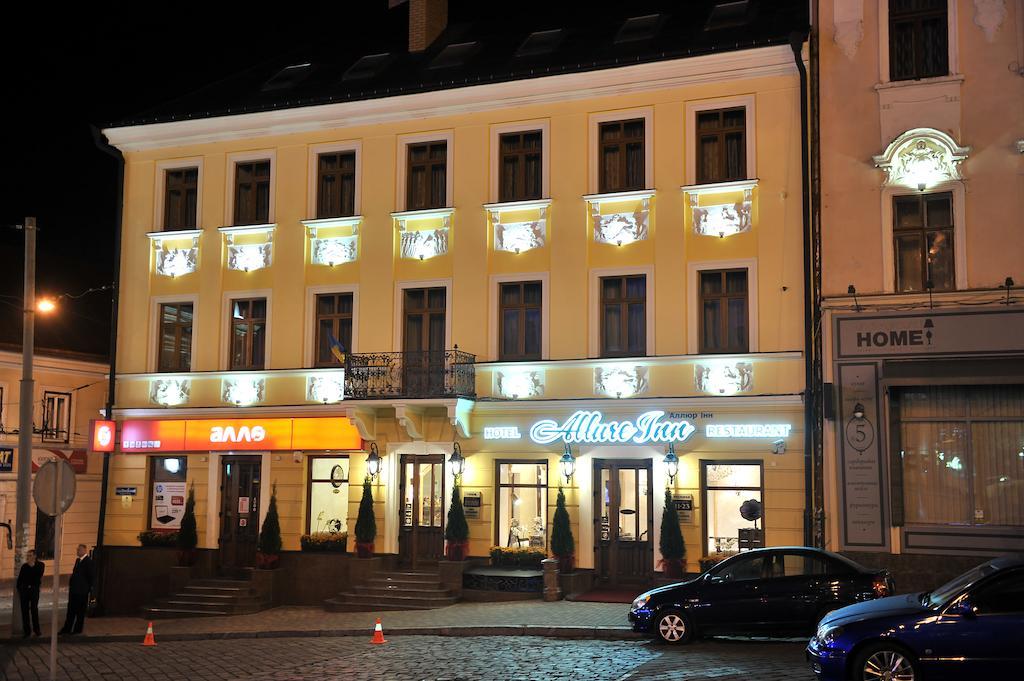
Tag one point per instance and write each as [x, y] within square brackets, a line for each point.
[424, 244]
[249, 257]
[620, 228]
[724, 377]
[922, 158]
[326, 389]
[620, 382]
[175, 262]
[241, 390]
[333, 250]
[723, 219]
[517, 384]
[170, 392]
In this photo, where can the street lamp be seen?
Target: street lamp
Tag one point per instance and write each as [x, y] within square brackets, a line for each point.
[457, 461]
[567, 462]
[671, 463]
[46, 305]
[373, 462]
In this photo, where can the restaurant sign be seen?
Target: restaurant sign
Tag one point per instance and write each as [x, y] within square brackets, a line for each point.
[591, 427]
[205, 435]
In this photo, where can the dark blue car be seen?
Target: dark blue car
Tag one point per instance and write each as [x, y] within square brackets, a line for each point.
[783, 589]
[969, 628]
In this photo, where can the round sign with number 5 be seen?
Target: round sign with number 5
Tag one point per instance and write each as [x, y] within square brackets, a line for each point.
[860, 434]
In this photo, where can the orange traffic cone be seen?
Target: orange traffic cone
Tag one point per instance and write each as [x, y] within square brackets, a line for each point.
[378, 633]
[149, 640]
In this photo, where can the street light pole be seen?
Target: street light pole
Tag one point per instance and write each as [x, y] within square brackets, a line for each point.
[25, 417]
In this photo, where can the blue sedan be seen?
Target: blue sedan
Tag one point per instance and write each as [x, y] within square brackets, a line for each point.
[973, 625]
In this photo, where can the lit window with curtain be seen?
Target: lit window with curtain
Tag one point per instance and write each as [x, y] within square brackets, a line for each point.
[522, 504]
[621, 162]
[726, 486]
[923, 242]
[721, 145]
[624, 316]
[960, 455]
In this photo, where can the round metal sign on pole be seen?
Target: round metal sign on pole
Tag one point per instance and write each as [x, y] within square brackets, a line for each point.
[54, 487]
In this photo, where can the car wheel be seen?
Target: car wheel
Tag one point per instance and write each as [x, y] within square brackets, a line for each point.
[673, 627]
[885, 662]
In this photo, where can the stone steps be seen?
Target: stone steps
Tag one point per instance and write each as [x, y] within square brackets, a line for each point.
[394, 590]
[209, 597]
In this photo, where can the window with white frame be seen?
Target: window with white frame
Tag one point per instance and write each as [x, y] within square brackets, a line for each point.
[56, 416]
[918, 39]
[328, 494]
[721, 143]
[522, 503]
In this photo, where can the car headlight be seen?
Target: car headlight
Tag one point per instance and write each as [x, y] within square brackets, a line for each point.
[828, 633]
[640, 602]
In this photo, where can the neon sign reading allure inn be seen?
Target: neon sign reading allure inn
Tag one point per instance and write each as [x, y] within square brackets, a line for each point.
[590, 427]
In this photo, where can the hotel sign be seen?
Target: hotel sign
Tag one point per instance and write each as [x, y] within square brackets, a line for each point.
[590, 427]
[747, 430]
[206, 435]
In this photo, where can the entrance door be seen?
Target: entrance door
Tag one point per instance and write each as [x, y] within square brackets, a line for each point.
[239, 510]
[623, 521]
[423, 341]
[421, 526]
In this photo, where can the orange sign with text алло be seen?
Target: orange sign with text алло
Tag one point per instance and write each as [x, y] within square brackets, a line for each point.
[220, 435]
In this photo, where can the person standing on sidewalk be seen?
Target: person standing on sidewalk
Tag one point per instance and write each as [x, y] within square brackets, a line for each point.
[30, 580]
[79, 587]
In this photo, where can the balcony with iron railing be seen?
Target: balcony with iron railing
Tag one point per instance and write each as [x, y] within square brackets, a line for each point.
[411, 374]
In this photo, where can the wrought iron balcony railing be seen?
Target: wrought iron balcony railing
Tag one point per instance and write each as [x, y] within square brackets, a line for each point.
[412, 374]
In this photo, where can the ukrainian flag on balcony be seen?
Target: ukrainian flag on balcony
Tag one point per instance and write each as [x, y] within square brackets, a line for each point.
[337, 349]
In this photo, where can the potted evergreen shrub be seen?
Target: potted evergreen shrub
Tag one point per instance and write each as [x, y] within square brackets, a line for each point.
[457, 529]
[673, 550]
[269, 551]
[187, 538]
[562, 543]
[366, 524]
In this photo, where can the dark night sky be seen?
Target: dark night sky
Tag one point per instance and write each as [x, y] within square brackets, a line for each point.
[95, 68]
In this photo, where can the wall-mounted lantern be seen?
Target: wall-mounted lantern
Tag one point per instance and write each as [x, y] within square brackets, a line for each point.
[457, 461]
[671, 463]
[567, 463]
[373, 462]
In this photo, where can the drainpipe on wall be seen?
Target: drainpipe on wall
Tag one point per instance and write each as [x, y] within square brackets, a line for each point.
[811, 431]
[103, 145]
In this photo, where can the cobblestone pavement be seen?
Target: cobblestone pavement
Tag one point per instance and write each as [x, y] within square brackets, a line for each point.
[314, 618]
[413, 658]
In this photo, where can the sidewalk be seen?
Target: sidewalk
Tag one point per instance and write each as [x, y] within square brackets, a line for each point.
[562, 619]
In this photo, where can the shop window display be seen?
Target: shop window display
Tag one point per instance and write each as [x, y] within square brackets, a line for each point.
[328, 494]
[727, 487]
[522, 504]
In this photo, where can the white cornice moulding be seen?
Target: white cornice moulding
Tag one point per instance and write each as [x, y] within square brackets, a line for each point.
[237, 230]
[759, 62]
[509, 206]
[170, 236]
[661, 360]
[425, 214]
[350, 221]
[720, 187]
[615, 197]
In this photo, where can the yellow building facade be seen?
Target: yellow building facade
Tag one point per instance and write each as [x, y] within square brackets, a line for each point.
[70, 391]
[626, 306]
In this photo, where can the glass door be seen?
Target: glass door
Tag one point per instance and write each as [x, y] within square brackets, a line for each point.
[623, 541]
[421, 526]
[240, 511]
[423, 341]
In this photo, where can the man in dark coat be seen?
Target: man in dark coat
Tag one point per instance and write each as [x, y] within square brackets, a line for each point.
[78, 592]
[30, 580]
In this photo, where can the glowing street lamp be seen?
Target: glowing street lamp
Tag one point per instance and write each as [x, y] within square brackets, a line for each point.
[46, 305]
